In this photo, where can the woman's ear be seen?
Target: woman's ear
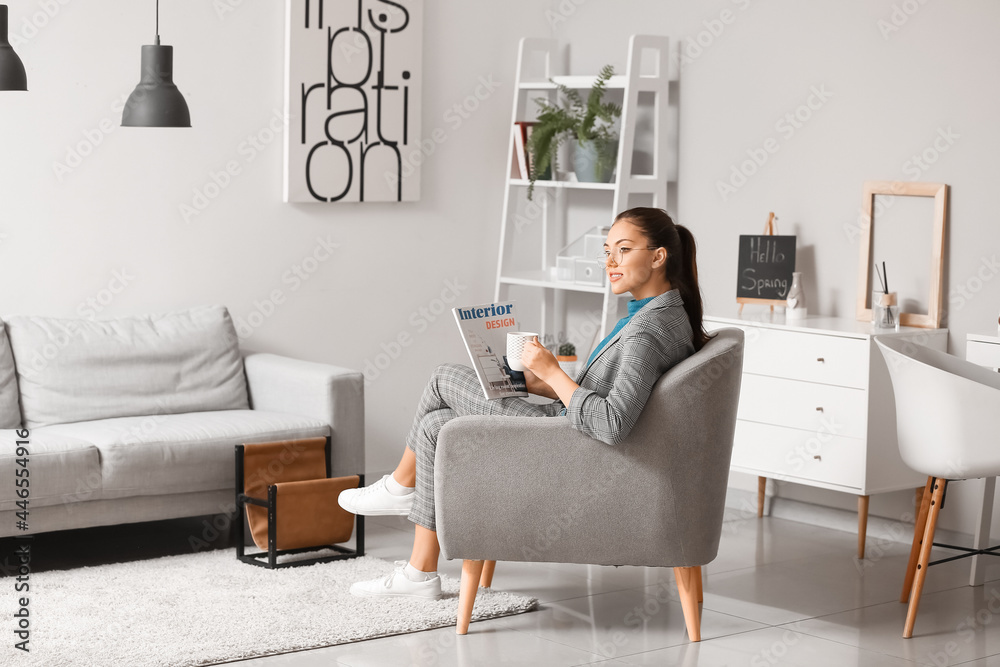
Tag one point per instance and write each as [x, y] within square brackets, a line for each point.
[659, 257]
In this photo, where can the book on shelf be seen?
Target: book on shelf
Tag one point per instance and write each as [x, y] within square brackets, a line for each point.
[520, 152]
[484, 331]
[528, 128]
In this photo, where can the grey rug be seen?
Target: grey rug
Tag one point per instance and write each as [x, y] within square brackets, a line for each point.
[206, 608]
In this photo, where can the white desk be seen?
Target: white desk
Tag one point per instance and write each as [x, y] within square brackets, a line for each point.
[985, 351]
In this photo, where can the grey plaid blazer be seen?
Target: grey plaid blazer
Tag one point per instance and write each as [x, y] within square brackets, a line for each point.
[615, 386]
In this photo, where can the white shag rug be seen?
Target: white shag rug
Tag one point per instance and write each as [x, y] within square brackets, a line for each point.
[206, 608]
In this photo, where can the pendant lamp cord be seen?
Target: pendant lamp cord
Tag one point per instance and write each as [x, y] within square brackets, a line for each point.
[157, 22]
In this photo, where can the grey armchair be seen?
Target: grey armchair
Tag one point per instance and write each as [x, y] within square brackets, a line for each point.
[538, 490]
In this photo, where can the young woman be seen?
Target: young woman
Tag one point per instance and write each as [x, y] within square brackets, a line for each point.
[647, 255]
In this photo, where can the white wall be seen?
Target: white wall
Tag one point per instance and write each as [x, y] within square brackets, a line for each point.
[890, 98]
[63, 239]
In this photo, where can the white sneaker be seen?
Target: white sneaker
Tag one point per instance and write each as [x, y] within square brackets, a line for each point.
[375, 500]
[398, 585]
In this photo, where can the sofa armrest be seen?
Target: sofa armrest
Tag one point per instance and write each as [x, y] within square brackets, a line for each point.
[534, 489]
[331, 394]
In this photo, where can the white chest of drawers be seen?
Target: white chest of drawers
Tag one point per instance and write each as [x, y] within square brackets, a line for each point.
[816, 406]
[983, 350]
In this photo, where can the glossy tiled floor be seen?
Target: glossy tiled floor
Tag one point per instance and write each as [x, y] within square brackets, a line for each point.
[780, 593]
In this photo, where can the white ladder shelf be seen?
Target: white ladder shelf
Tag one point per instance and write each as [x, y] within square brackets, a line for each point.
[649, 70]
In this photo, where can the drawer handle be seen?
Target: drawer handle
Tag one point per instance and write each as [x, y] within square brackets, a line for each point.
[818, 457]
[819, 409]
[821, 360]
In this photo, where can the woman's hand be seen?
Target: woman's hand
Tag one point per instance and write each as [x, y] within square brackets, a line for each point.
[539, 360]
[537, 386]
[543, 364]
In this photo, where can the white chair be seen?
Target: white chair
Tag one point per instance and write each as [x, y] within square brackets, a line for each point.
[948, 428]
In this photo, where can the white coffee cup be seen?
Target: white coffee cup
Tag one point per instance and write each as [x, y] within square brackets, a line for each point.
[516, 341]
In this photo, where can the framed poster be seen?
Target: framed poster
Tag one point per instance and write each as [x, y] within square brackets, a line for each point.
[352, 100]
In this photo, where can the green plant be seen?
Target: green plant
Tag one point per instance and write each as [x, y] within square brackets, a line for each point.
[567, 350]
[590, 121]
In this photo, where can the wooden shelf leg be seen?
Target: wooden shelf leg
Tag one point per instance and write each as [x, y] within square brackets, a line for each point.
[487, 579]
[862, 524]
[687, 586]
[918, 538]
[472, 572]
[761, 488]
[925, 556]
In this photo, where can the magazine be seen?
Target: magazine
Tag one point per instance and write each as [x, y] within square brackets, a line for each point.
[484, 329]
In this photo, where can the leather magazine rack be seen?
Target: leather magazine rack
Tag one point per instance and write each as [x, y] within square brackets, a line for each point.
[291, 505]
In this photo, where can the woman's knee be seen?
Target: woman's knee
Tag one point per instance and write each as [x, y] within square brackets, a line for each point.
[430, 427]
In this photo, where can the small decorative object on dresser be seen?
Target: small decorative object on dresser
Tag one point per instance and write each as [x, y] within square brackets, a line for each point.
[796, 308]
[766, 266]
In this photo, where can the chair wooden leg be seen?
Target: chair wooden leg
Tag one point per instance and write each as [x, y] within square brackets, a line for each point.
[487, 579]
[918, 538]
[862, 524]
[761, 488]
[925, 556]
[472, 571]
[687, 585]
[701, 592]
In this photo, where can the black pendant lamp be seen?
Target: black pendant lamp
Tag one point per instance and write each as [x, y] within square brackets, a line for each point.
[156, 102]
[12, 76]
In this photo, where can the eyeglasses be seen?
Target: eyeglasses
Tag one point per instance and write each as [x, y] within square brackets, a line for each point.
[618, 255]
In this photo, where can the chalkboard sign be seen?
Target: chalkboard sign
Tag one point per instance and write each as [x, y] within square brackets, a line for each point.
[766, 264]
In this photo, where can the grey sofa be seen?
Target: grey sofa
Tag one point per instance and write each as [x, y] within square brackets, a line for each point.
[136, 419]
[526, 489]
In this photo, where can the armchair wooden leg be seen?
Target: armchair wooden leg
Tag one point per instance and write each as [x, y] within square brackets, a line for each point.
[701, 593]
[761, 488]
[862, 524]
[918, 538]
[487, 579]
[472, 572]
[925, 556]
[687, 585]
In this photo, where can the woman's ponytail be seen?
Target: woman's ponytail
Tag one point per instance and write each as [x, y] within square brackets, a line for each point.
[687, 283]
[681, 266]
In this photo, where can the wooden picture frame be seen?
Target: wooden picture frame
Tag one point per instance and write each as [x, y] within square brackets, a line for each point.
[939, 192]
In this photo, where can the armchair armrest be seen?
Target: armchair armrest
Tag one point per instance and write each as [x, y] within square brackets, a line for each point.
[536, 489]
[331, 394]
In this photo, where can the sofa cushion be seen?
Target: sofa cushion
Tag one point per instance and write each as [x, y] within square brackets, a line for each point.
[80, 370]
[10, 408]
[61, 468]
[144, 456]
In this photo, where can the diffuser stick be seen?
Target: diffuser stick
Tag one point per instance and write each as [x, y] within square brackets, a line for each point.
[880, 281]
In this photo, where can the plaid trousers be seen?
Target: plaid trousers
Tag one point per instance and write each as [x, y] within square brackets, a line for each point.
[453, 391]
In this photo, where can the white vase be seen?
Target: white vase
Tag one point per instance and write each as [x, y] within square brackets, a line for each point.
[796, 299]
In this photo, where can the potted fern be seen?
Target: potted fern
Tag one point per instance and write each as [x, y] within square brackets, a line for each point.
[591, 123]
